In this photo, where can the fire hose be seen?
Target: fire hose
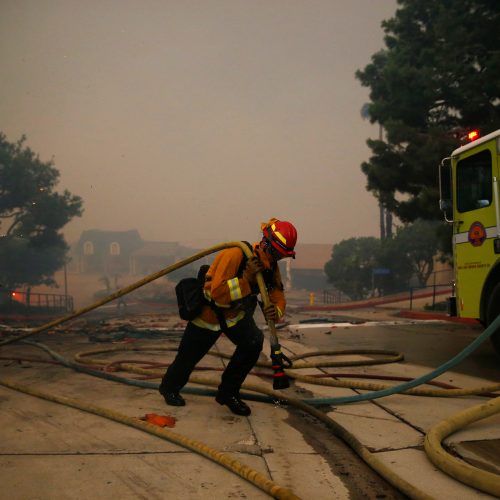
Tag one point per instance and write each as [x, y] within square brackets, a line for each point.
[280, 380]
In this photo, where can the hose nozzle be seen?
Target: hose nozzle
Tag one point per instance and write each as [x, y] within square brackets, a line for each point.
[280, 380]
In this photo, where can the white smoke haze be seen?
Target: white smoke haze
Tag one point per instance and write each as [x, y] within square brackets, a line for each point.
[193, 121]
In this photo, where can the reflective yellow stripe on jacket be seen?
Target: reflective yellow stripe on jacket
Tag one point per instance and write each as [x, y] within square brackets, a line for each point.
[234, 289]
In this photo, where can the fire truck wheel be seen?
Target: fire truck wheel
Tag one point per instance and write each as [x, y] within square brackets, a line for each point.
[491, 313]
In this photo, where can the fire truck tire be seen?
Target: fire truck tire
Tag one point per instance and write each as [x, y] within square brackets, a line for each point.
[492, 312]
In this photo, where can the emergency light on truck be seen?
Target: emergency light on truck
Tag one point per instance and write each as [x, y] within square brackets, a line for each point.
[473, 135]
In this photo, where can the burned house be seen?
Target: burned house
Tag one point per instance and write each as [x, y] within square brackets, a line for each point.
[106, 252]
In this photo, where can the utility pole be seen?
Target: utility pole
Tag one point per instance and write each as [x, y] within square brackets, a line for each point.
[65, 286]
[383, 231]
[385, 216]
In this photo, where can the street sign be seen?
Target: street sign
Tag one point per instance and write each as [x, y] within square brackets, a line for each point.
[380, 271]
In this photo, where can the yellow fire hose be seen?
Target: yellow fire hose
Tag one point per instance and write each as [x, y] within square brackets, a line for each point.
[468, 474]
[226, 461]
[485, 482]
[231, 464]
[341, 432]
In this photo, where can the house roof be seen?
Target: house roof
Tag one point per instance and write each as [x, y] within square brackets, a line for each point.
[131, 238]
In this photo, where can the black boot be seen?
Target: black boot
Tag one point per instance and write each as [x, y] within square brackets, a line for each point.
[173, 398]
[234, 403]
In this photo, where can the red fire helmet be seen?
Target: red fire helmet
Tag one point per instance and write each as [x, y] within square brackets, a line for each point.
[282, 235]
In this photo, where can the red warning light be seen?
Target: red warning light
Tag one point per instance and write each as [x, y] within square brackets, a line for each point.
[473, 135]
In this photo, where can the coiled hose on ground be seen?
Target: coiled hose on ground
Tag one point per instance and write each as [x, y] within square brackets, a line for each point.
[272, 396]
[488, 482]
[263, 394]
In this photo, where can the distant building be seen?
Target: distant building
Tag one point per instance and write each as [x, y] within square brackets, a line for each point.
[105, 252]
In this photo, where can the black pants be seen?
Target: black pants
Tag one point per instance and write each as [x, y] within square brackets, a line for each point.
[196, 342]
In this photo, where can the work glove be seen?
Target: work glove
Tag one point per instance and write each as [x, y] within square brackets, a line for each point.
[252, 267]
[271, 313]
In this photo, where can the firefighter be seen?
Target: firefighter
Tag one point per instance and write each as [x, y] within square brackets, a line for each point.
[231, 293]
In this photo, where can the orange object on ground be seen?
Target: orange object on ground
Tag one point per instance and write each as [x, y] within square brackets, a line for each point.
[159, 420]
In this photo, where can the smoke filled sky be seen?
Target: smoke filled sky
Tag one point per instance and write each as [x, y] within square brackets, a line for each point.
[194, 121]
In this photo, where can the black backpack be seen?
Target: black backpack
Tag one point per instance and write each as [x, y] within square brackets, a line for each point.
[189, 293]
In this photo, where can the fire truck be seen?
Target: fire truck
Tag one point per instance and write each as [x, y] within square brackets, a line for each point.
[469, 197]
